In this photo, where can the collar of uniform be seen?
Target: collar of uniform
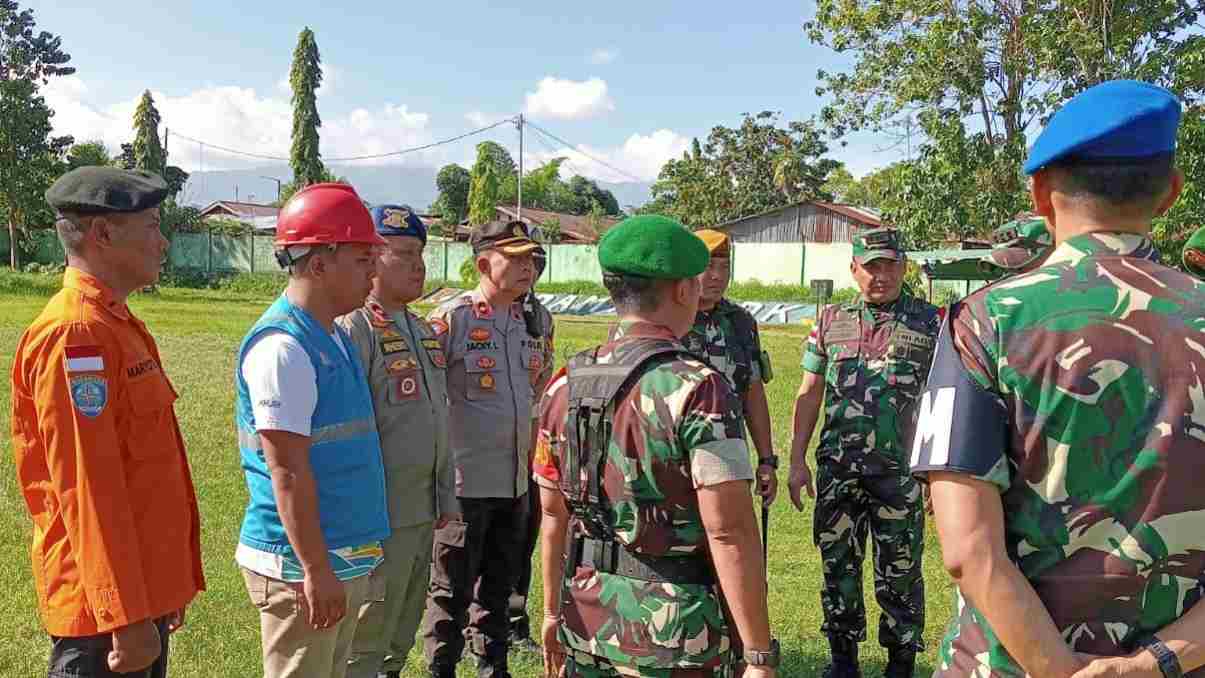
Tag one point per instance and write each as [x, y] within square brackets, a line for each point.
[95, 290]
[638, 328]
[483, 310]
[1102, 243]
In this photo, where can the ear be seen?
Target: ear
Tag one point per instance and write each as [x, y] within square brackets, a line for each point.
[103, 231]
[483, 265]
[686, 290]
[1173, 194]
[1040, 188]
[317, 263]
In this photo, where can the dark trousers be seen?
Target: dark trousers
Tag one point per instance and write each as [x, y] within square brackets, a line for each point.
[473, 567]
[88, 657]
[520, 626]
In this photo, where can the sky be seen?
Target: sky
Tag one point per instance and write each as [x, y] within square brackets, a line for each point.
[628, 82]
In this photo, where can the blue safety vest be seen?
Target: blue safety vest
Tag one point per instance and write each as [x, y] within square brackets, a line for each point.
[345, 451]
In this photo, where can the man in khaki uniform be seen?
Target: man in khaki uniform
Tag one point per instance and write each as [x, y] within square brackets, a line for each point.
[406, 367]
[496, 370]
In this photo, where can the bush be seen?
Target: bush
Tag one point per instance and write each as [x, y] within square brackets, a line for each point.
[469, 275]
[45, 269]
[252, 284]
[29, 284]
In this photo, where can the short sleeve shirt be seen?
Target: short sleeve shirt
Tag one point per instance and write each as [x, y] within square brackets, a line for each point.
[1076, 390]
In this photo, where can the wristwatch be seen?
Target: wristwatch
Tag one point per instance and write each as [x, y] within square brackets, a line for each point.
[1169, 664]
[768, 658]
[771, 461]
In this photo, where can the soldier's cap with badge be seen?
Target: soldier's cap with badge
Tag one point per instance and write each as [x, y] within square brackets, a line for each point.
[106, 190]
[398, 220]
[1193, 255]
[508, 237]
[1019, 243]
[1112, 123]
[718, 243]
[652, 246]
[877, 243]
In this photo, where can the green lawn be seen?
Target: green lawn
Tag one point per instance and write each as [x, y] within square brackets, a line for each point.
[198, 334]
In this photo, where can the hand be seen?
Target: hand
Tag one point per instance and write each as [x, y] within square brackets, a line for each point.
[800, 478]
[759, 672]
[554, 653]
[1141, 664]
[323, 598]
[135, 647]
[767, 484]
[175, 620]
[445, 518]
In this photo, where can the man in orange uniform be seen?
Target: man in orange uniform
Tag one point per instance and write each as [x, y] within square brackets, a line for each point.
[116, 531]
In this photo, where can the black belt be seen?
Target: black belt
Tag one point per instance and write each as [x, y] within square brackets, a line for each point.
[612, 558]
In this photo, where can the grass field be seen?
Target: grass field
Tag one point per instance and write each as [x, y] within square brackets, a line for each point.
[198, 333]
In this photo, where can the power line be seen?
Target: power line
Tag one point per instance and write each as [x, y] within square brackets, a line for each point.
[604, 163]
[377, 156]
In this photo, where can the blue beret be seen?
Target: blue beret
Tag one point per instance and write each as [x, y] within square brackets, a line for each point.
[1115, 120]
[399, 220]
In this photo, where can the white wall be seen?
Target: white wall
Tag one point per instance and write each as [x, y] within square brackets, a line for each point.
[828, 261]
[767, 262]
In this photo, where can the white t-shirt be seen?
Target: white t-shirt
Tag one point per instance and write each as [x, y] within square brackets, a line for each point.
[283, 390]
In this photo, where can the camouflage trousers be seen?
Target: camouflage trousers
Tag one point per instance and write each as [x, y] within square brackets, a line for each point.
[891, 509]
[578, 665]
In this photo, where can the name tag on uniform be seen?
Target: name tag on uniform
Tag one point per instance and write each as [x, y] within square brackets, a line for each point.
[394, 346]
[842, 331]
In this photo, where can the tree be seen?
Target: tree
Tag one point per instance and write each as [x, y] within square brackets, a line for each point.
[453, 182]
[587, 192]
[978, 75]
[305, 77]
[30, 157]
[148, 149]
[126, 159]
[745, 170]
[88, 154]
[1171, 231]
[499, 157]
[325, 176]
[484, 186]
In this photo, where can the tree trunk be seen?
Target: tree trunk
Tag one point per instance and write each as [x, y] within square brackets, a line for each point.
[12, 243]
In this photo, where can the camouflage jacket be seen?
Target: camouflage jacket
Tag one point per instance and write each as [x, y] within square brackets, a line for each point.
[675, 431]
[874, 361]
[1077, 389]
[727, 336]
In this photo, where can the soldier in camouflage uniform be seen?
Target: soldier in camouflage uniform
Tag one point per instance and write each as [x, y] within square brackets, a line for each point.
[727, 336]
[641, 467]
[1021, 246]
[1062, 429]
[1193, 255]
[872, 356]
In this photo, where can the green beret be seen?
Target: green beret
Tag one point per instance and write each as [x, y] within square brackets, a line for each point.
[652, 246]
[104, 190]
[1193, 255]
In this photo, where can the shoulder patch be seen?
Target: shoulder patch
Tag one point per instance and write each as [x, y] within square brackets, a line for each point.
[84, 359]
[439, 326]
[89, 394]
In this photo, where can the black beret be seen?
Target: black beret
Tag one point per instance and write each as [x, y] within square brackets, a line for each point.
[104, 190]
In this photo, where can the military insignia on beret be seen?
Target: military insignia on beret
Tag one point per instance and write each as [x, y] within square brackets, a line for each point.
[518, 232]
[486, 363]
[407, 387]
[395, 217]
[90, 394]
[480, 334]
[439, 327]
[487, 381]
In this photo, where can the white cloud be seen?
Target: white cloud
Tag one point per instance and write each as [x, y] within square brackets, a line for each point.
[641, 156]
[332, 77]
[482, 119]
[237, 118]
[601, 57]
[569, 99]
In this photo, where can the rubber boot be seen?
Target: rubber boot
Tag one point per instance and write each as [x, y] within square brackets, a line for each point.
[901, 663]
[442, 671]
[845, 659]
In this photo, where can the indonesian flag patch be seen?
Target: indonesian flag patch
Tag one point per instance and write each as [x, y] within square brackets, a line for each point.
[85, 359]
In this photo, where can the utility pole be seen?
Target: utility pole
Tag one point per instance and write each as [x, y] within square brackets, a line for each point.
[519, 124]
[278, 183]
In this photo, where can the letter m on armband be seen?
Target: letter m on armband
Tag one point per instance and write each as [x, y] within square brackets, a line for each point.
[960, 425]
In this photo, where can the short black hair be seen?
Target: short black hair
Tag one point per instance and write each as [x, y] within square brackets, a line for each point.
[1117, 182]
[633, 294]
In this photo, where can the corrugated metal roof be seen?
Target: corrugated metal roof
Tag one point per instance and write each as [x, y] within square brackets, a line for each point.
[862, 215]
[242, 209]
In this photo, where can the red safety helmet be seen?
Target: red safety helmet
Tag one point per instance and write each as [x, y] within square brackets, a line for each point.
[325, 214]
